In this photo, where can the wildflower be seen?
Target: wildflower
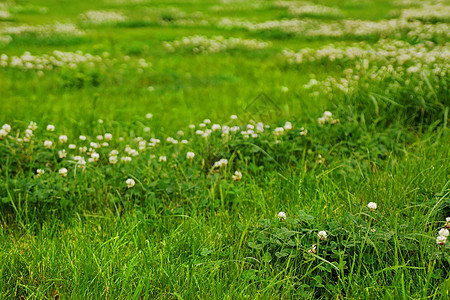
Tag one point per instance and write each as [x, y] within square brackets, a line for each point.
[184, 141]
[192, 126]
[443, 232]
[50, 128]
[303, 131]
[94, 157]
[282, 215]
[190, 155]
[313, 249]
[125, 159]
[150, 89]
[180, 132]
[83, 149]
[441, 240]
[149, 116]
[32, 126]
[108, 137]
[278, 131]
[447, 224]
[3, 133]
[221, 163]
[233, 117]
[130, 183]
[94, 145]
[215, 127]
[40, 172]
[6, 127]
[29, 133]
[63, 138]
[207, 121]
[48, 144]
[162, 158]
[288, 126]
[237, 176]
[82, 138]
[322, 235]
[284, 89]
[105, 144]
[72, 146]
[62, 153]
[372, 206]
[146, 129]
[100, 121]
[114, 153]
[63, 172]
[113, 159]
[99, 137]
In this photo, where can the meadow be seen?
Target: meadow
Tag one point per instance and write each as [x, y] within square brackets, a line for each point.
[227, 149]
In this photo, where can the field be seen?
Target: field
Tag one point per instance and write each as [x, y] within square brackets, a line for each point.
[233, 149]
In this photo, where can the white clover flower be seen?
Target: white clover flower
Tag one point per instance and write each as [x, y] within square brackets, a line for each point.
[284, 89]
[150, 89]
[184, 141]
[94, 145]
[180, 132]
[278, 131]
[113, 159]
[444, 232]
[62, 153]
[82, 138]
[48, 144]
[6, 127]
[146, 129]
[149, 116]
[199, 132]
[100, 137]
[125, 159]
[114, 153]
[313, 249]
[321, 121]
[94, 157]
[322, 235]
[3, 133]
[83, 149]
[221, 163]
[50, 128]
[105, 144]
[63, 138]
[441, 240]
[40, 172]
[32, 126]
[130, 183]
[303, 131]
[282, 215]
[288, 126]
[215, 127]
[162, 158]
[233, 117]
[237, 176]
[447, 224]
[63, 172]
[327, 115]
[190, 155]
[29, 133]
[108, 137]
[192, 126]
[202, 125]
[207, 121]
[72, 146]
[372, 206]
[100, 121]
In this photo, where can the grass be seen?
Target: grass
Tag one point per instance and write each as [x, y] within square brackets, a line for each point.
[186, 229]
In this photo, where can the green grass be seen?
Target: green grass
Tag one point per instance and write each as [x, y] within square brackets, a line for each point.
[187, 230]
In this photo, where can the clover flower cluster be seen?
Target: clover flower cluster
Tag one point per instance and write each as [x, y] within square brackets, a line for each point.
[344, 28]
[443, 233]
[427, 12]
[60, 59]
[102, 17]
[385, 59]
[67, 153]
[56, 29]
[203, 44]
[308, 9]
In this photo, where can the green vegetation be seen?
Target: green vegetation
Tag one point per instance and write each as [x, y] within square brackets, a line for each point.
[224, 149]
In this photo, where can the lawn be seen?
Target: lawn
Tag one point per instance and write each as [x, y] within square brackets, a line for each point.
[233, 149]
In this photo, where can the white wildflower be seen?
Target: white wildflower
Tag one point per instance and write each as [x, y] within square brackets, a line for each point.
[50, 128]
[63, 138]
[63, 172]
[237, 176]
[130, 183]
[322, 235]
[372, 206]
[48, 144]
[190, 155]
[282, 215]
